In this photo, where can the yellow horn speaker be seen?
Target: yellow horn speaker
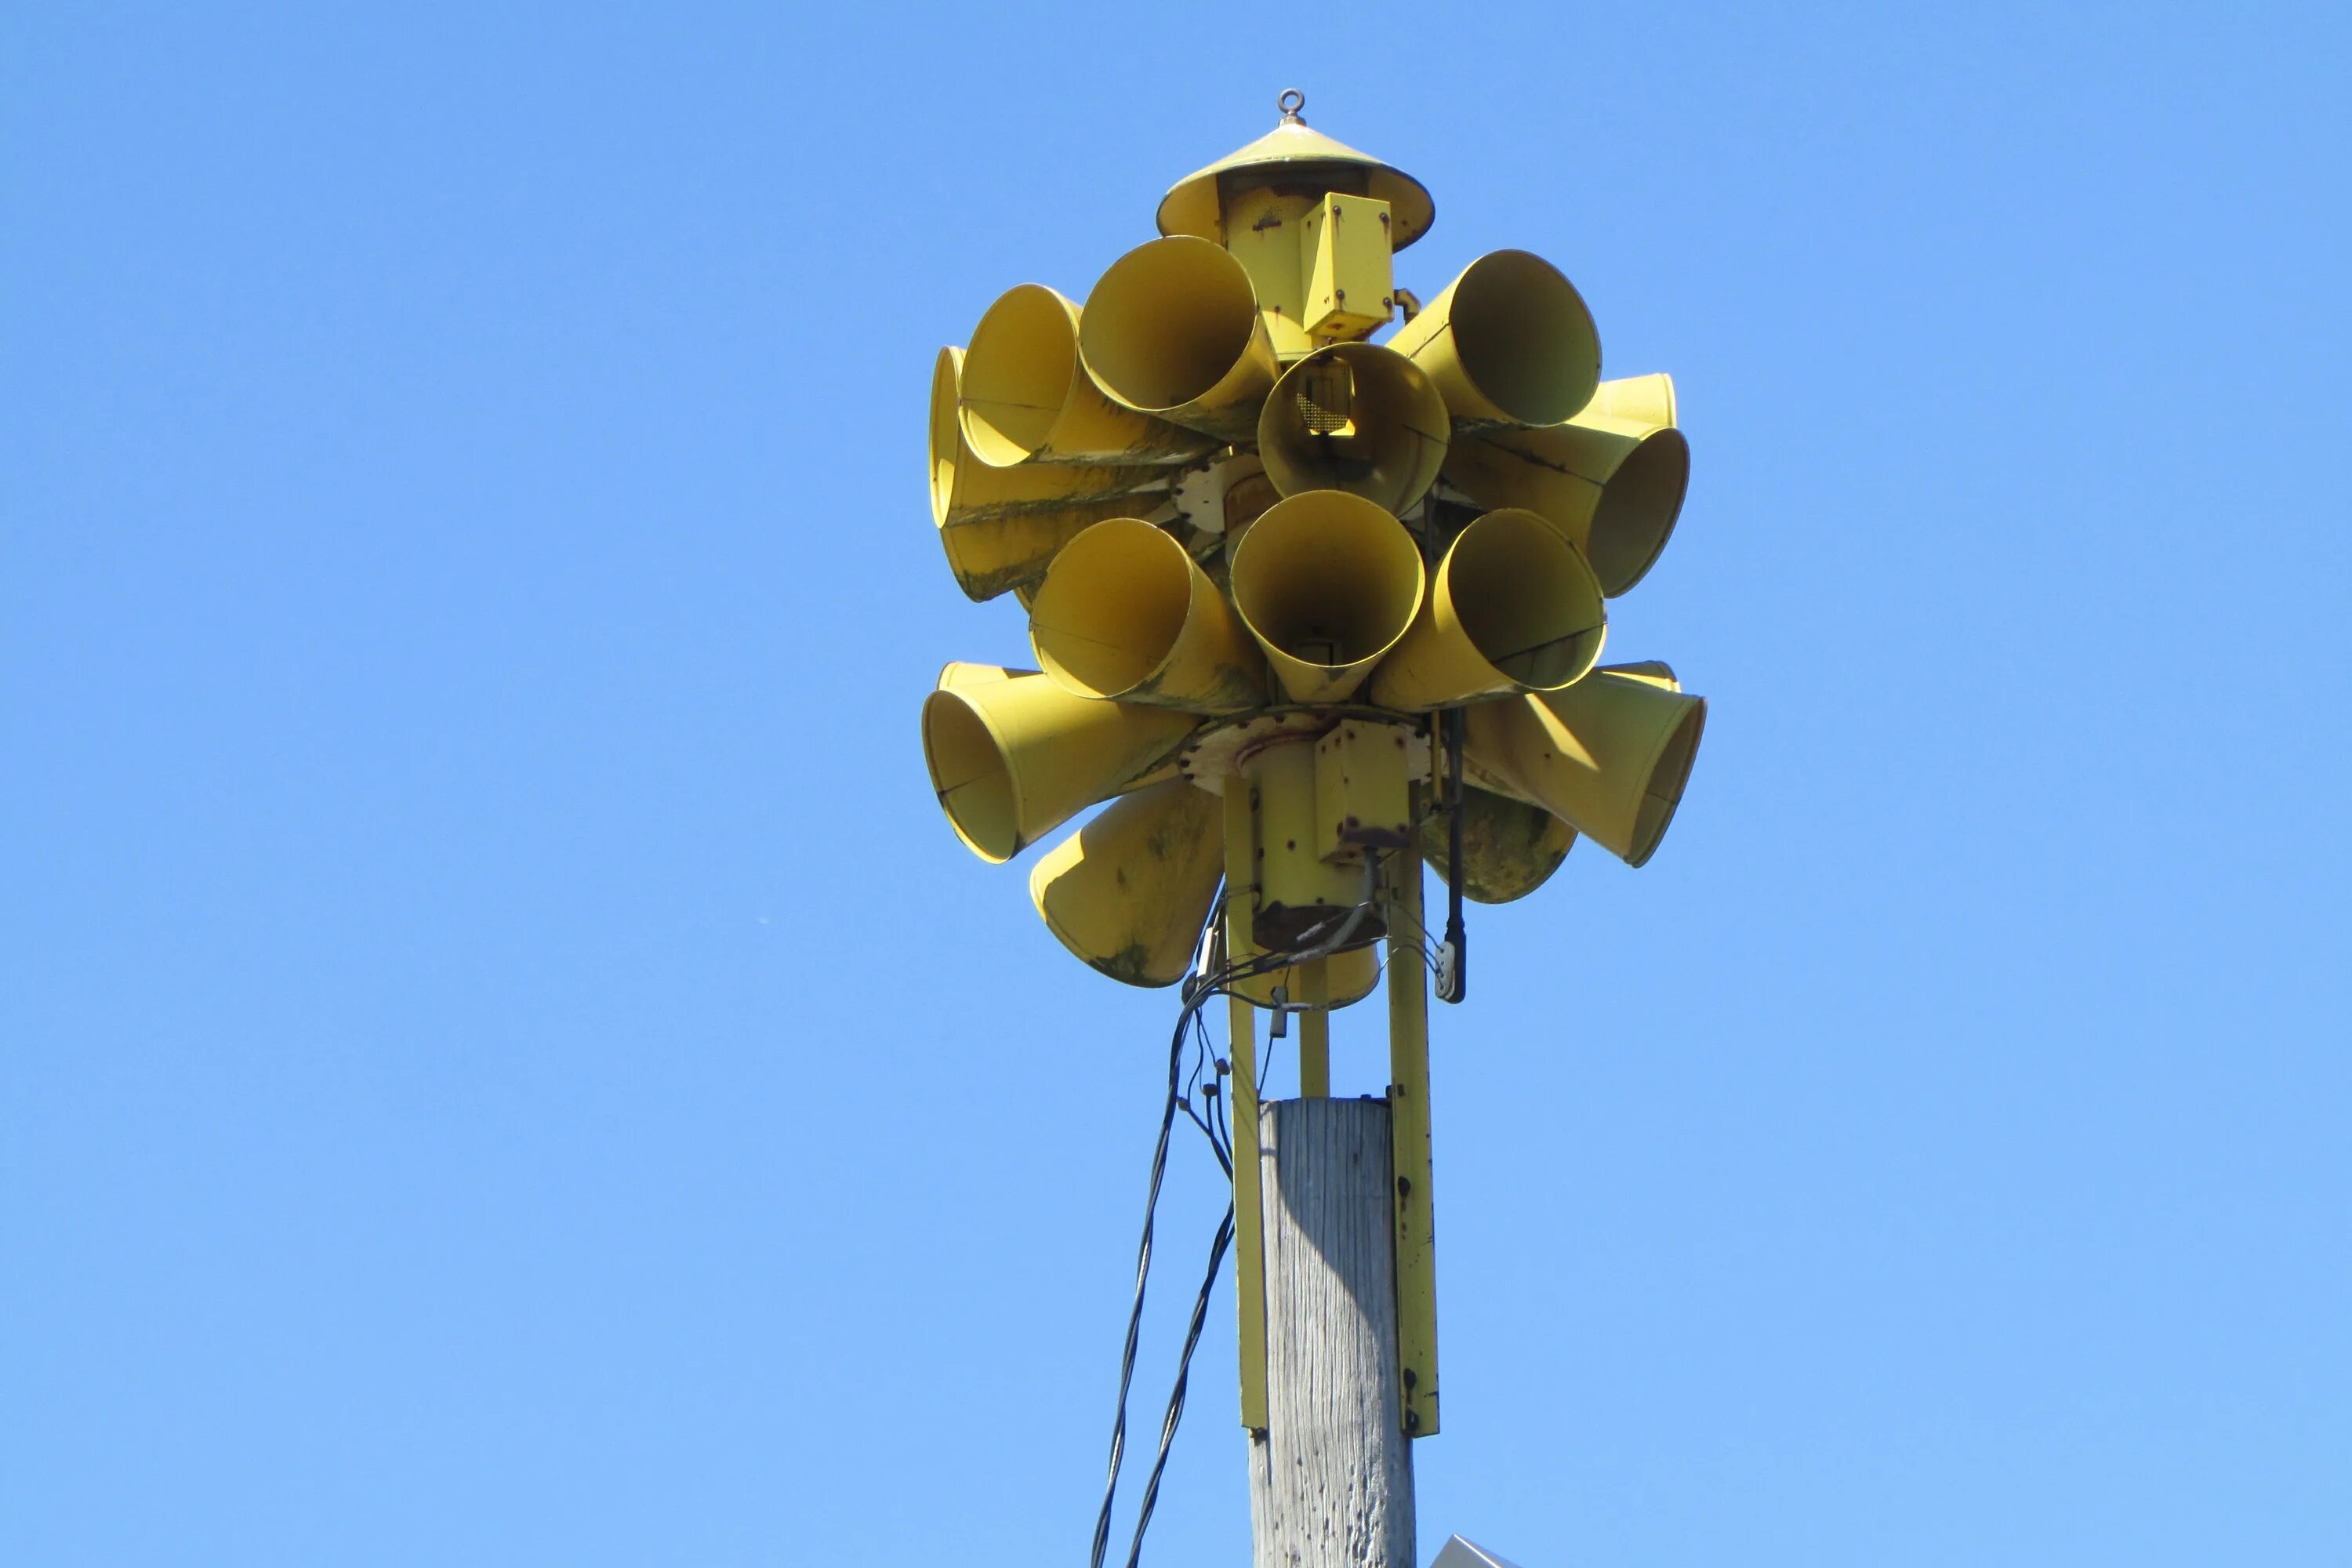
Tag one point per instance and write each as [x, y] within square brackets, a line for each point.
[1127, 613]
[1327, 582]
[1354, 418]
[1013, 757]
[1509, 342]
[1002, 527]
[1509, 849]
[1129, 891]
[1027, 399]
[1609, 756]
[1613, 477]
[1514, 609]
[1172, 330]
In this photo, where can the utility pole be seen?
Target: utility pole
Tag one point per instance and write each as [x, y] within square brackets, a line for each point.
[1307, 610]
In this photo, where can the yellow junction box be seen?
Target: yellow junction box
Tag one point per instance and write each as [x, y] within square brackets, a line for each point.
[1349, 280]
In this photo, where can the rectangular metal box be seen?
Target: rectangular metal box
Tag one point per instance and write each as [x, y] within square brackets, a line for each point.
[1350, 278]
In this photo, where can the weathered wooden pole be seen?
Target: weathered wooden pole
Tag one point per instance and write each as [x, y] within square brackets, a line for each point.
[1331, 1471]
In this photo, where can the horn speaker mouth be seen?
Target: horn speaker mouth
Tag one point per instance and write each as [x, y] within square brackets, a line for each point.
[1637, 510]
[1356, 417]
[1167, 323]
[1524, 339]
[1017, 374]
[1526, 599]
[1329, 581]
[1112, 608]
[968, 772]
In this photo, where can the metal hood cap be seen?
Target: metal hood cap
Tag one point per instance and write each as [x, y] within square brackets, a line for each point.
[1191, 207]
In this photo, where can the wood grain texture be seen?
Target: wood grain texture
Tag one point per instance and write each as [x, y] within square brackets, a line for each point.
[1331, 1475]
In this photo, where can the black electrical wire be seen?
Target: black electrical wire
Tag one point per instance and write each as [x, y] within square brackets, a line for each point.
[1196, 994]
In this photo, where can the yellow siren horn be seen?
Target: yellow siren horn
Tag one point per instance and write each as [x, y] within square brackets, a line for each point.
[1509, 342]
[1027, 399]
[1609, 756]
[1172, 330]
[1509, 849]
[1514, 609]
[1354, 418]
[1327, 582]
[1002, 527]
[1613, 477]
[1129, 891]
[1013, 757]
[1127, 613]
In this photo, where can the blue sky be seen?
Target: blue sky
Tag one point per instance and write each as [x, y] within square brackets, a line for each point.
[504, 1063]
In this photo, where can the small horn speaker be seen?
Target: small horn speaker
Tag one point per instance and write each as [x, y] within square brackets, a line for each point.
[1127, 613]
[1327, 582]
[1355, 417]
[1612, 478]
[1013, 757]
[1172, 330]
[1509, 342]
[1514, 609]
[1129, 891]
[1027, 398]
[1609, 756]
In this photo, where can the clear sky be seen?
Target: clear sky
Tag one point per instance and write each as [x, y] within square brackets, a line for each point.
[501, 1060]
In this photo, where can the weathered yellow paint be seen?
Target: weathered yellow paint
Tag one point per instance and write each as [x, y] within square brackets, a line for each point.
[1327, 582]
[1249, 1226]
[1002, 527]
[1315, 1030]
[1361, 798]
[1013, 759]
[1173, 329]
[1514, 609]
[1509, 342]
[1416, 1224]
[1509, 849]
[1609, 756]
[1612, 478]
[1355, 417]
[1349, 292]
[1027, 399]
[1128, 891]
[1127, 613]
[1297, 887]
[1292, 155]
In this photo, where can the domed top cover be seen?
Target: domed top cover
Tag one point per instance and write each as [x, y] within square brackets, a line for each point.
[1291, 151]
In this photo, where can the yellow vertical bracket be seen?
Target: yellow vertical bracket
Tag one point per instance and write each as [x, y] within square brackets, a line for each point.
[1416, 1236]
[1249, 1248]
[1315, 1030]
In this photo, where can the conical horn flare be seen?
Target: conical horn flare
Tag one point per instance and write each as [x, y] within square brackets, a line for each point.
[1349, 977]
[965, 489]
[1127, 613]
[1129, 891]
[1327, 582]
[1013, 758]
[1509, 849]
[1514, 609]
[1172, 330]
[1609, 756]
[1509, 342]
[1354, 418]
[1002, 527]
[1613, 480]
[1027, 399]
